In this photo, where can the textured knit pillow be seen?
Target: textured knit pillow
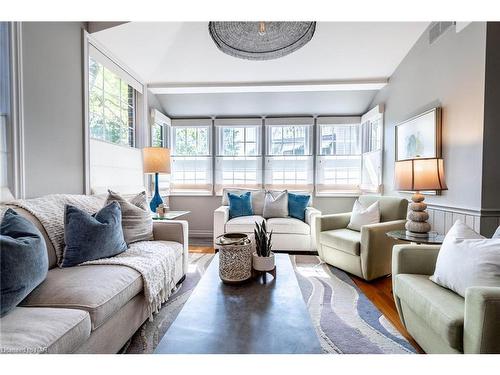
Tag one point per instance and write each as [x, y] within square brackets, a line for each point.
[137, 222]
[297, 204]
[364, 215]
[276, 204]
[240, 205]
[467, 259]
[90, 237]
[23, 259]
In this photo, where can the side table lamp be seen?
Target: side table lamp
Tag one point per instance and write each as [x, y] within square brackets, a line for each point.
[156, 160]
[418, 175]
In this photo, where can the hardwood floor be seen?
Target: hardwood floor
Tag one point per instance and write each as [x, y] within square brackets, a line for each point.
[379, 292]
[202, 249]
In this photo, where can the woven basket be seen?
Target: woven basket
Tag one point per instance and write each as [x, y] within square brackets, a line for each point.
[235, 257]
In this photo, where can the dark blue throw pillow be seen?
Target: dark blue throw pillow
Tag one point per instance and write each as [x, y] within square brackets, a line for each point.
[91, 237]
[297, 204]
[240, 205]
[23, 259]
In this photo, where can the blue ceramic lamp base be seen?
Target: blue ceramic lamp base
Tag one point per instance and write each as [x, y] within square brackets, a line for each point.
[156, 200]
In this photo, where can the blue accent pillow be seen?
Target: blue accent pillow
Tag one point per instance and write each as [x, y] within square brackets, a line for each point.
[23, 259]
[240, 205]
[297, 204]
[91, 237]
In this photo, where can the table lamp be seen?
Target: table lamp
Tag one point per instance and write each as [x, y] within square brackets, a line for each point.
[156, 160]
[419, 175]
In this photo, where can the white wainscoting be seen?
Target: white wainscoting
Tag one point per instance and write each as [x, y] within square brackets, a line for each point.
[442, 218]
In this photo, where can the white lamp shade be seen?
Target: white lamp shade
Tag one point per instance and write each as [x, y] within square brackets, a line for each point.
[156, 159]
[420, 174]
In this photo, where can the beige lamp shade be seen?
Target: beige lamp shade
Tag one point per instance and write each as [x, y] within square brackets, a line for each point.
[420, 174]
[156, 159]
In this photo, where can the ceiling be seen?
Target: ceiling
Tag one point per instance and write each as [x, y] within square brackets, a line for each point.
[166, 54]
[270, 104]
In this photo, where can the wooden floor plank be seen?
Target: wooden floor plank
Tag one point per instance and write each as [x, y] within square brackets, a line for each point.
[379, 292]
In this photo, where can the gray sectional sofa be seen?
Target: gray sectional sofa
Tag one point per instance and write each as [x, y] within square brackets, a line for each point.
[86, 309]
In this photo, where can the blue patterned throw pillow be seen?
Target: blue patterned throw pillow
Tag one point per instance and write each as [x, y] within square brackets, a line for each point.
[23, 259]
[240, 205]
[297, 204]
[91, 237]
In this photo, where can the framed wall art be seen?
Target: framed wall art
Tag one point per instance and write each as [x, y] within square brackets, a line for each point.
[420, 136]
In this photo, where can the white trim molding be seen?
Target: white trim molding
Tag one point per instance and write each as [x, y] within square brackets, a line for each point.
[258, 87]
[17, 106]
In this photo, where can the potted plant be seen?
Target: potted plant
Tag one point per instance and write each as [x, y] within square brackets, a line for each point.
[263, 258]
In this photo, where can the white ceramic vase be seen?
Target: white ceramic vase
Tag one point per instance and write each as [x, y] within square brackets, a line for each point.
[264, 264]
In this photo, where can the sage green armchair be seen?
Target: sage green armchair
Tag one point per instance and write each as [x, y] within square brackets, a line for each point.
[440, 320]
[367, 253]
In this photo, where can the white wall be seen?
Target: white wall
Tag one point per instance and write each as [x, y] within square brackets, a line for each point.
[449, 73]
[53, 107]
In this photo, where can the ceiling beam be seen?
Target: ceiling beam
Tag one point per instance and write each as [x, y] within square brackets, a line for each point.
[256, 87]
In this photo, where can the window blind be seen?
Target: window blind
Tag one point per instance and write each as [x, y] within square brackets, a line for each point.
[338, 161]
[289, 160]
[238, 161]
[192, 171]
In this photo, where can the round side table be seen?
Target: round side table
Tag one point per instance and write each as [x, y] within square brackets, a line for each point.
[433, 239]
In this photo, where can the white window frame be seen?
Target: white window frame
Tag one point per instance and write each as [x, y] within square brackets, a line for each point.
[165, 123]
[327, 190]
[372, 158]
[199, 160]
[241, 174]
[299, 165]
[92, 47]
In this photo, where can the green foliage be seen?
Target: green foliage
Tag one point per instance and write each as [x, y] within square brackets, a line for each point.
[191, 141]
[111, 106]
[263, 244]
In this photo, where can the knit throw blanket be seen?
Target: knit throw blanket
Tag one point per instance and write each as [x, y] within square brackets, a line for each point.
[155, 261]
[152, 259]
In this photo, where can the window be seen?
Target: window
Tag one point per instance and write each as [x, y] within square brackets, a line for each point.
[111, 106]
[160, 129]
[289, 161]
[349, 154]
[157, 135]
[238, 161]
[338, 162]
[371, 162]
[191, 161]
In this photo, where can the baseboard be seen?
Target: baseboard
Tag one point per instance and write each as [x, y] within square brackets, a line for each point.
[197, 233]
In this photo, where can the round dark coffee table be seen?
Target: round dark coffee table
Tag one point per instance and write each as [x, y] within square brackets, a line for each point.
[433, 239]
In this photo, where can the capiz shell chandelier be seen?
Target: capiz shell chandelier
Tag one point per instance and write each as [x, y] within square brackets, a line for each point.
[260, 40]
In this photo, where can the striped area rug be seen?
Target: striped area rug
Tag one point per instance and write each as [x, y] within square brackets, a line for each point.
[345, 320]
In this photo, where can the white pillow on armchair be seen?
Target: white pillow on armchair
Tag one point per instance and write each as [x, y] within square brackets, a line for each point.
[364, 215]
[467, 259]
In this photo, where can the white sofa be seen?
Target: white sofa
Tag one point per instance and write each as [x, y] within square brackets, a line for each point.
[289, 234]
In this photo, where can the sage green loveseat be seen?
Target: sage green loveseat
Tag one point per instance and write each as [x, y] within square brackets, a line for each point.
[440, 320]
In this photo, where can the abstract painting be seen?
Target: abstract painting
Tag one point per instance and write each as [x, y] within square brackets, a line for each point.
[420, 136]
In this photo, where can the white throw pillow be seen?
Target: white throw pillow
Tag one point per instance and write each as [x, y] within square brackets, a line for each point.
[276, 204]
[364, 215]
[467, 259]
[497, 233]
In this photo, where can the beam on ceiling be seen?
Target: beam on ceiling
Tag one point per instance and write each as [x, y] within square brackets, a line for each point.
[256, 87]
